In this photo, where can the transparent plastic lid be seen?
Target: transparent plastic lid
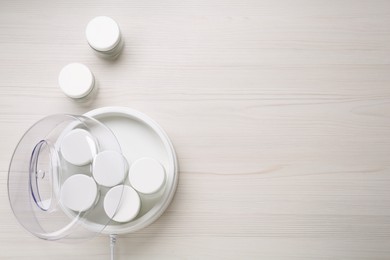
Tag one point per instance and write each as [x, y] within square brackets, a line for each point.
[53, 187]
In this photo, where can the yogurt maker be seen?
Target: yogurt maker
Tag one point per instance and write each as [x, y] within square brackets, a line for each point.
[110, 171]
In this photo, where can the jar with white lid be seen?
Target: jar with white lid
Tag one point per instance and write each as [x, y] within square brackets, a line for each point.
[77, 82]
[104, 36]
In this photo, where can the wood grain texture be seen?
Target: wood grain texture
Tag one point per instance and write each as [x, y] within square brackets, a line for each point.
[279, 111]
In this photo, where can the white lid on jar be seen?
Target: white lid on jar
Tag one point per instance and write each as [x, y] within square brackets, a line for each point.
[79, 192]
[146, 175]
[78, 147]
[76, 80]
[130, 203]
[109, 168]
[103, 33]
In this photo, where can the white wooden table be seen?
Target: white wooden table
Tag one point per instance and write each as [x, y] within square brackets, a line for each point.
[279, 111]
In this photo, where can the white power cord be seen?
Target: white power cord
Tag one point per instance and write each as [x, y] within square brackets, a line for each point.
[112, 245]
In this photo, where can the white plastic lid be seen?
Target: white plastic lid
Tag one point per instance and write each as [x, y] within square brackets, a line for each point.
[78, 147]
[109, 168]
[103, 33]
[79, 192]
[76, 80]
[147, 175]
[129, 207]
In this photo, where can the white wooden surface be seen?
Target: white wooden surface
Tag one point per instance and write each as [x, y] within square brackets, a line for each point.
[279, 111]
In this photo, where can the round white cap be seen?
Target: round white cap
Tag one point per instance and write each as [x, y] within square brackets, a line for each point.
[78, 147]
[76, 80]
[103, 33]
[130, 203]
[109, 168]
[146, 175]
[79, 192]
